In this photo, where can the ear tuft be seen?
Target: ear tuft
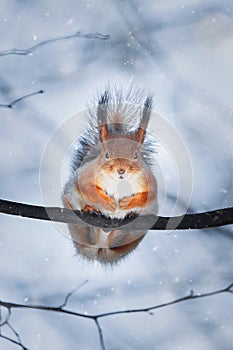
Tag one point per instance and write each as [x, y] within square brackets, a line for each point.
[102, 116]
[149, 102]
[147, 107]
[104, 98]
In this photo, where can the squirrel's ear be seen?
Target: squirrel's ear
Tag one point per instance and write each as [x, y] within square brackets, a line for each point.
[145, 119]
[102, 117]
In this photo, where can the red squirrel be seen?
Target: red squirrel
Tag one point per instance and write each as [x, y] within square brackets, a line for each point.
[113, 174]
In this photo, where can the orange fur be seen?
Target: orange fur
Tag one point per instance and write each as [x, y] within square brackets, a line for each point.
[138, 200]
[110, 202]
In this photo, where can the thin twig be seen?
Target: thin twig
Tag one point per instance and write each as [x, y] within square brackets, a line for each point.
[10, 305]
[101, 336]
[13, 341]
[215, 218]
[6, 320]
[11, 104]
[190, 296]
[67, 297]
[25, 52]
[16, 335]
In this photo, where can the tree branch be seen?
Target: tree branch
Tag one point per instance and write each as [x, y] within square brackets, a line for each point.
[25, 52]
[101, 336]
[13, 341]
[95, 317]
[12, 103]
[215, 218]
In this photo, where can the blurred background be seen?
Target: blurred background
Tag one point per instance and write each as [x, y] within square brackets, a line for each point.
[181, 51]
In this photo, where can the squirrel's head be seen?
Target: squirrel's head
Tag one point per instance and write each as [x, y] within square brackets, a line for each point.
[120, 156]
[121, 147]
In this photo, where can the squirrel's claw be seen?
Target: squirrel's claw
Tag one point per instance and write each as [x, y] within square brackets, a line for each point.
[90, 209]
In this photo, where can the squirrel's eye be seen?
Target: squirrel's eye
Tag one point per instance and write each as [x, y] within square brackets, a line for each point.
[107, 155]
[136, 155]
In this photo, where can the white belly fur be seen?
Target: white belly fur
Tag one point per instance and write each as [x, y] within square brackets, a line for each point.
[118, 189]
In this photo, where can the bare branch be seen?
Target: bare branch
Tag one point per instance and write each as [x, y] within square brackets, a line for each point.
[215, 218]
[13, 341]
[25, 52]
[16, 335]
[100, 331]
[5, 321]
[190, 296]
[11, 104]
[96, 317]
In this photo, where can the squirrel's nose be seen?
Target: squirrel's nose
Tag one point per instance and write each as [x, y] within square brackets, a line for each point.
[121, 171]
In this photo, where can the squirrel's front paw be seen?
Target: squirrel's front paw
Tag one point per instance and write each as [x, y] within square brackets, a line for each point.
[110, 204]
[124, 202]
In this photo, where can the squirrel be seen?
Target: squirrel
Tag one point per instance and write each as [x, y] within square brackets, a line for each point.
[112, 174]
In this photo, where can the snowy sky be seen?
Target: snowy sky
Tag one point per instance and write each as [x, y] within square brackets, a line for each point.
[181, 51]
